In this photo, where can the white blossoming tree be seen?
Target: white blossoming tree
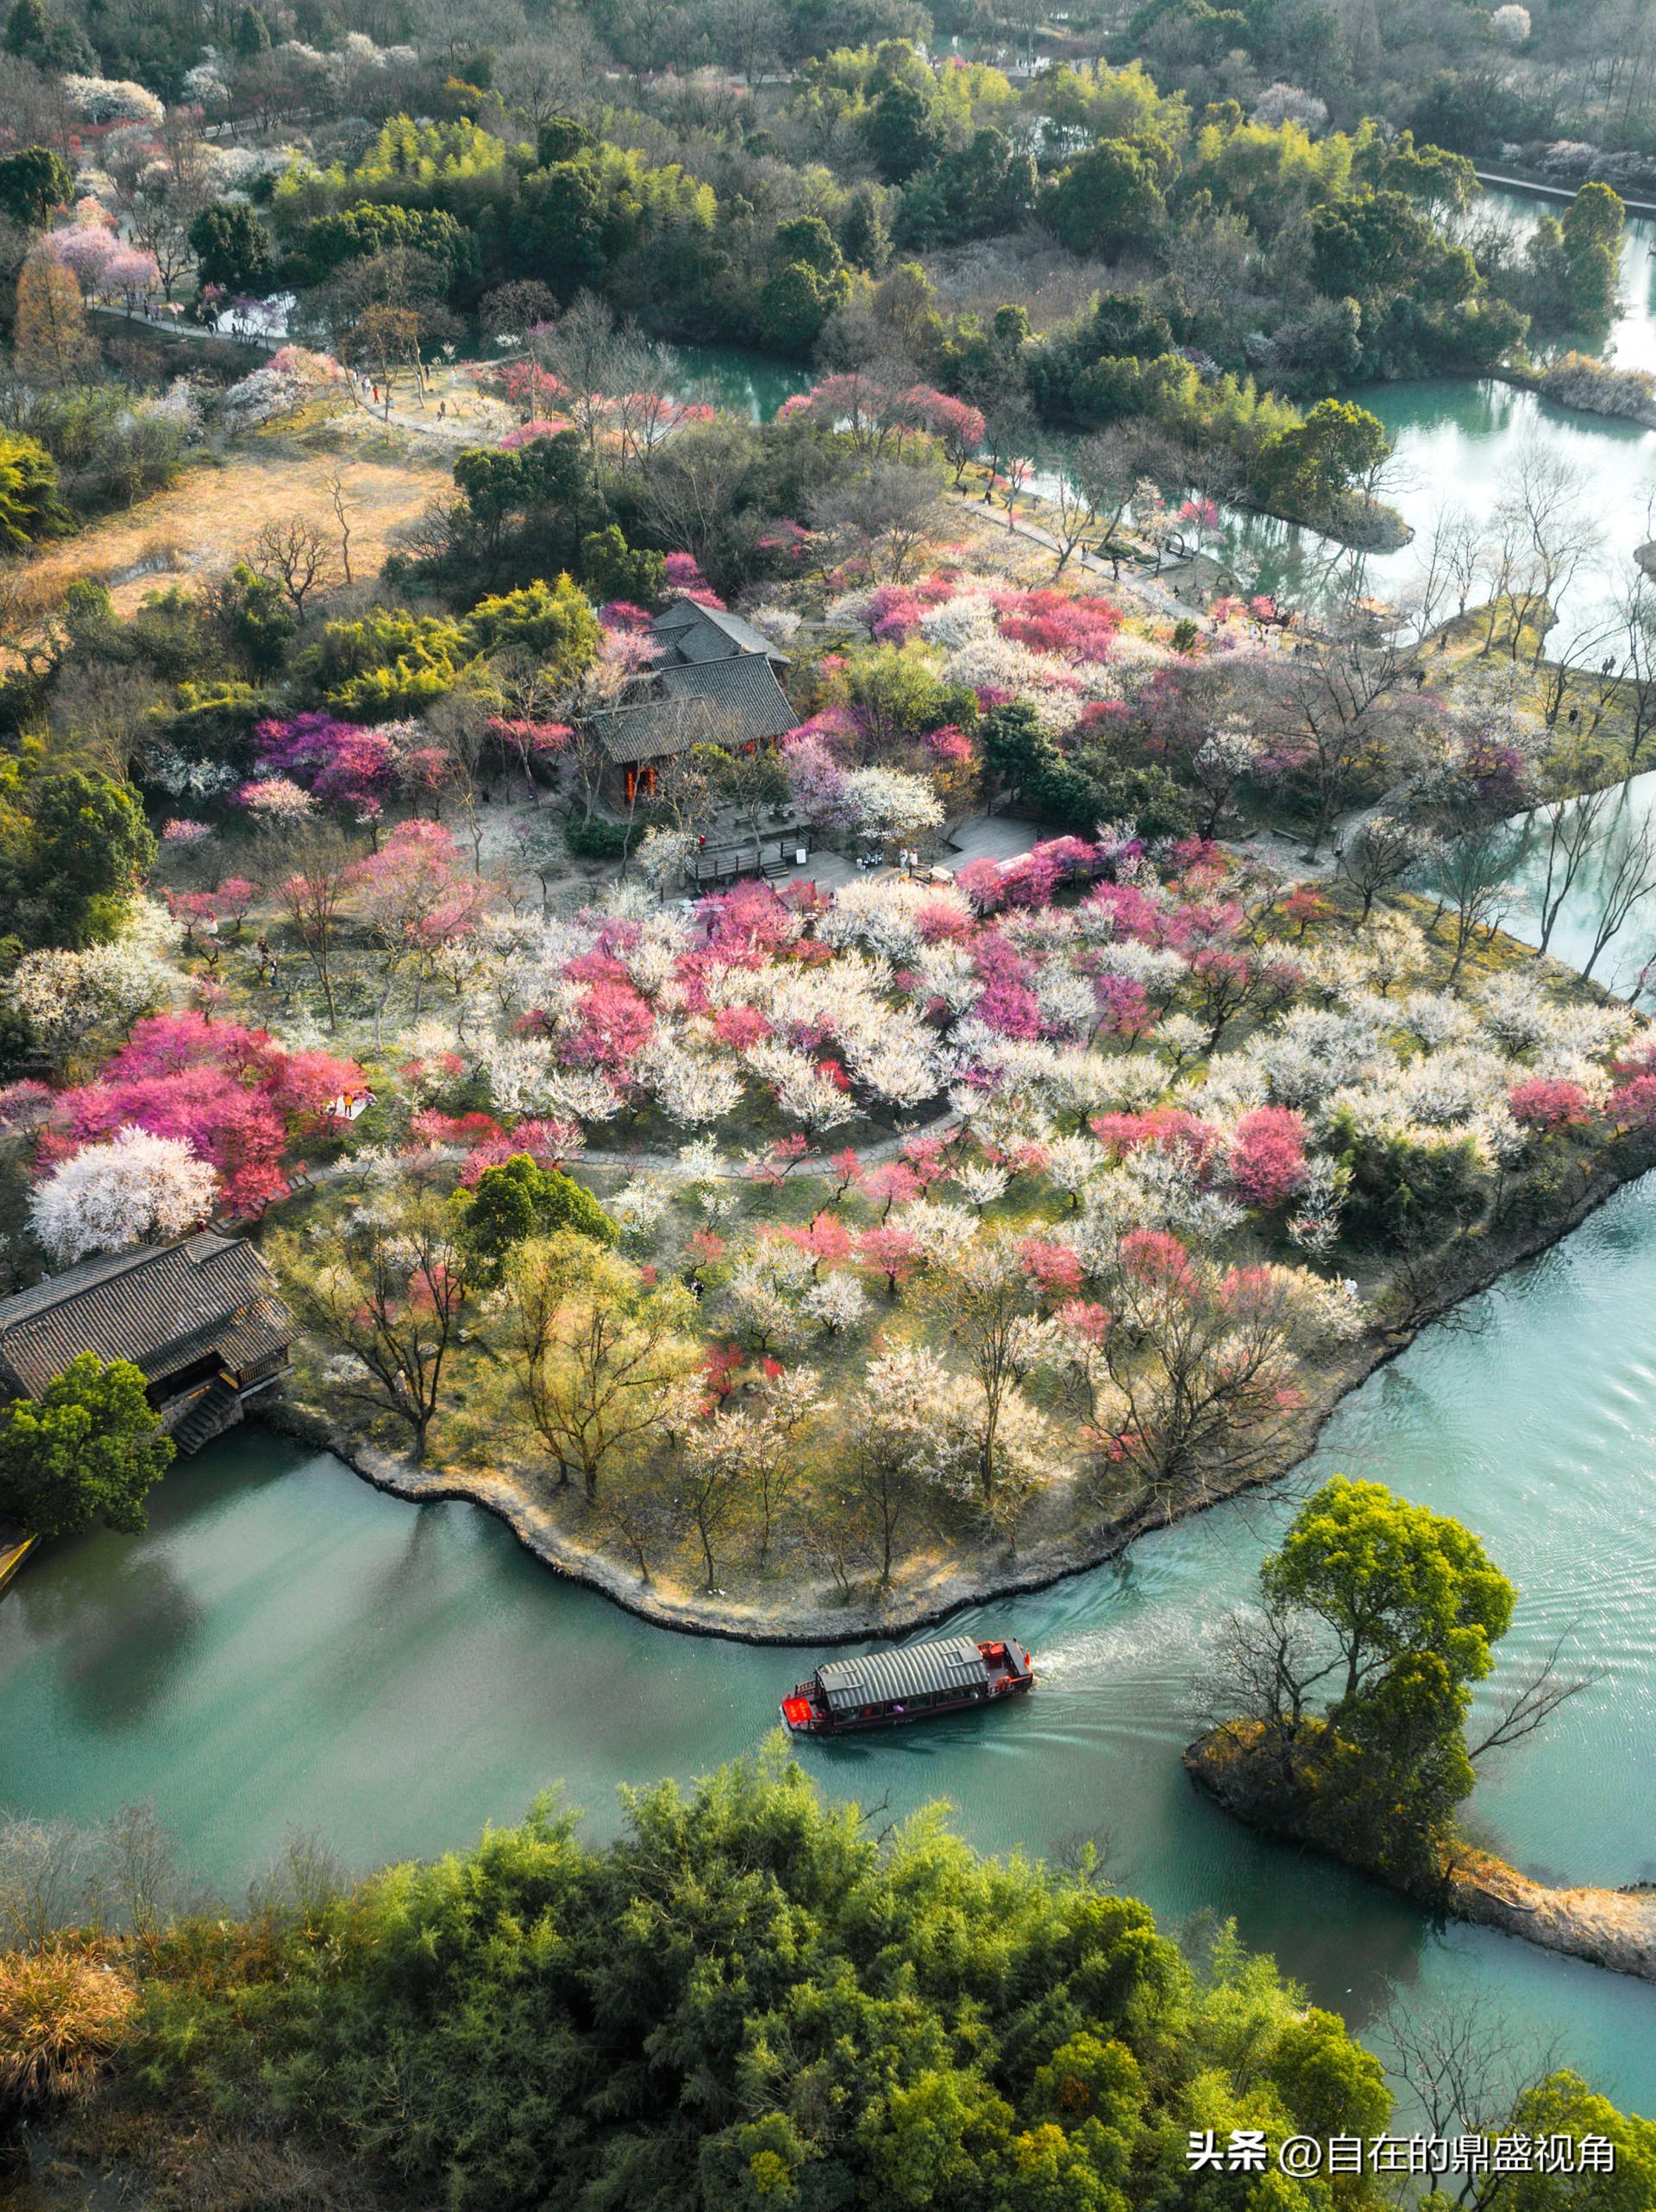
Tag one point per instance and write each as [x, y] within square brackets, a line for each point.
[137, 1189]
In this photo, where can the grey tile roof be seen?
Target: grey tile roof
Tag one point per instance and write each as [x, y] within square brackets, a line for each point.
[656, 730]
[691, 631]
[743, 695]
[161, 1307]
[953, 1663]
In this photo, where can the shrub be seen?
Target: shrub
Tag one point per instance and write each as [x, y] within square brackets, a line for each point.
[1406, 1188]
[599, 839]
[61, 2016]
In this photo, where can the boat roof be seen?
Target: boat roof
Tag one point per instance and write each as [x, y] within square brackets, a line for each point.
[881, 1677]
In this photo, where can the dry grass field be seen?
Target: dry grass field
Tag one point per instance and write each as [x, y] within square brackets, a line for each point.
[208, 519]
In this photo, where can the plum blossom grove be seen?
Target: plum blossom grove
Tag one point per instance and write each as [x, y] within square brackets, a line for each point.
[1108, 1157]
[1108, 1163]
[910, 1216]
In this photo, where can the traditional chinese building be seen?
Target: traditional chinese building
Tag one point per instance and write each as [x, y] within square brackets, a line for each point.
[199, 1318]
[715, 680]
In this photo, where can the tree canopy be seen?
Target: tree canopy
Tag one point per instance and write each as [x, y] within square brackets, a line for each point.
[86, 1451]
[748, 1999]
[1354, 1681]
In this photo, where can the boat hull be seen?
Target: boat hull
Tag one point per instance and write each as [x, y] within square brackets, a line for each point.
[857, 1724]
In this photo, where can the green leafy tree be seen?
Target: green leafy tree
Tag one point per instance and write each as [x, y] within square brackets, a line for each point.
[1312, 470]
[1389, 1581]
[1368, 245]
[901, 133]
[516, 1200]
[252, 33]
[614, 570]
[560, 139]
[31, 32]
[26, 27]
[1376, 1618]
[87, 1450]
[557, 227]
[554, 622]
[751, 1999]
[257, 622]
[354, 234]
[30, 508]
[597, 1357]
[533, 493]
[232, 247]
[89, 848]
[1592, 230]
[1107, 198]
[865, 231]
[391, 661]
[33, 182]
[1563, 2104]
[796, 304]
[1403, 1192]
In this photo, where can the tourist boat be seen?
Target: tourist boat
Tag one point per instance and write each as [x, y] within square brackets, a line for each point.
[883, 1688]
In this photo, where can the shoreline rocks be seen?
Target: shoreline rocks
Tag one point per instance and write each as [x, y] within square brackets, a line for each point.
[1612, 1928]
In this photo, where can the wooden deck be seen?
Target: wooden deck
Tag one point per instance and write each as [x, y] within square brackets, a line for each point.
[770, 858]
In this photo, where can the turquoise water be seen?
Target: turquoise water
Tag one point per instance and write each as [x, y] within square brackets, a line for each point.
[1455, 442]
[288, 1648]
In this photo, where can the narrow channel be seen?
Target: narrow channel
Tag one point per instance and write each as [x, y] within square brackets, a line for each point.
[288, 1648]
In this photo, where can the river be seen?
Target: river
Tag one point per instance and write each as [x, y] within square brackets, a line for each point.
[287, 1647]
[1455, 442]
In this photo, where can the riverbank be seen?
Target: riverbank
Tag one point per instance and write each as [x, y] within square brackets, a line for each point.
[1612, 1928]
[547, 1521]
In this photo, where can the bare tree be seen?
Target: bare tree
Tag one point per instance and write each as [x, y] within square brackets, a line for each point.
[1530, 1704]
[878, 1493]
[1464, 2065]
[1338, 706]
[1008, 433]
[1544, 536]
[1637, 608]
[341, 504]
[1628, 876]
[690, 487]
[1104, 468]
[886, 514]
[1070, 514]
[1377, 855]
[596, 361]
[1472, 872]
[1456, 550]
[1574, 828]
[294, 552]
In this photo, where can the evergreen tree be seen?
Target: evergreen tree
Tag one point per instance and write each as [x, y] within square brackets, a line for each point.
[86, 1451]
[33, 182]
[519, 1199]
[232, 247]
[27, 28]
[29, 494]
[89, 847]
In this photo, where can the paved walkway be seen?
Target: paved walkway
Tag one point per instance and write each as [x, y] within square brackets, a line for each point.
[1145, 588]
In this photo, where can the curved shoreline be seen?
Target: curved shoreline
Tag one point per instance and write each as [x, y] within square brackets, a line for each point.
[1614, 1929]
[981, 1582]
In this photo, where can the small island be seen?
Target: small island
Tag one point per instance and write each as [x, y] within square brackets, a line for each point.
[1350, 1728]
